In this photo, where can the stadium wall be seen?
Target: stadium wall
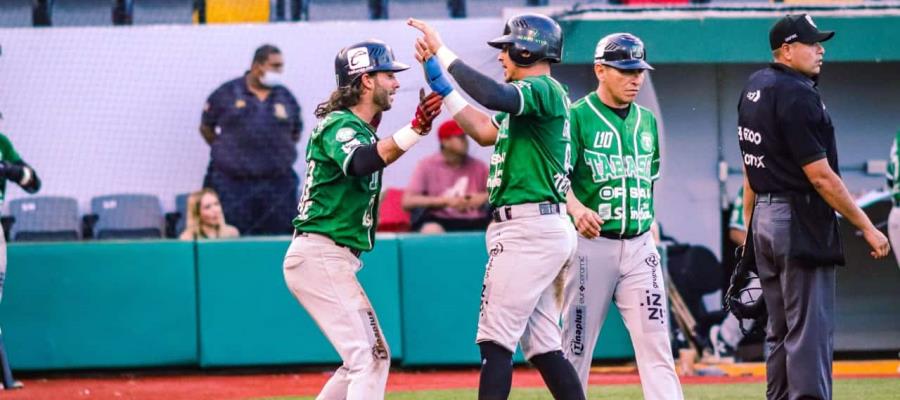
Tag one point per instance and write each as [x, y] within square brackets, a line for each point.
[102, 110]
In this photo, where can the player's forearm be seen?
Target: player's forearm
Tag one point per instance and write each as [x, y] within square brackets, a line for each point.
[484, 90]
[477, 125]
[833, 191]
[573, 205]
[737, 236]
[749, 200]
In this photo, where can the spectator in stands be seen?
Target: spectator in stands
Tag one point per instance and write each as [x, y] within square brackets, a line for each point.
[12, 168]
[448, 191]
[252, 125]
[205, 219]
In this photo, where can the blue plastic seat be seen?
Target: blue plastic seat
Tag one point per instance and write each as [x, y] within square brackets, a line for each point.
[45, 218]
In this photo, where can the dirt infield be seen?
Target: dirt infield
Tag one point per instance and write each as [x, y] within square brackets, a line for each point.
[194, 385]
[197, 386]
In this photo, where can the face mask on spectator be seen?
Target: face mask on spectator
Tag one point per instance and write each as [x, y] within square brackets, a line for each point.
[271, 79]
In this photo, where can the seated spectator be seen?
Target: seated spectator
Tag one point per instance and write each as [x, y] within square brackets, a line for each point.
[448, 191]
[205, 219]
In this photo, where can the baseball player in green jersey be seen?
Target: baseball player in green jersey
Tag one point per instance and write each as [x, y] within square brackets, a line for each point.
[12, 168]
[530, 240]
[337, 214]
[616, 157]
[893, 179]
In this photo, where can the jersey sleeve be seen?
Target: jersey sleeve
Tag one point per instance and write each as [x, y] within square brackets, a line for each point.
[801, 122]
[498, 118]
[657, 157]
[576, 141]
[535, 97]
[340, 141]
[8, 152]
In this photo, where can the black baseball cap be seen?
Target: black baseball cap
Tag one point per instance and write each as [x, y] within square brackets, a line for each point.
[796, 28]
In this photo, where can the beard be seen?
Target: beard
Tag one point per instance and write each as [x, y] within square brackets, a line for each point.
[382, 98]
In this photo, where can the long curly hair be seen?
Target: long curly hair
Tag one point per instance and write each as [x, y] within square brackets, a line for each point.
[343, 97]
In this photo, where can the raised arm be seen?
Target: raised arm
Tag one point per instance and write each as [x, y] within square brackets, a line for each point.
[476, 123]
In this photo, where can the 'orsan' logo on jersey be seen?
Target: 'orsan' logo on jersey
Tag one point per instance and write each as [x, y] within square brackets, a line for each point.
[606, 167]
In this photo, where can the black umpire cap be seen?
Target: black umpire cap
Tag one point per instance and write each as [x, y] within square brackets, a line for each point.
[796, 28]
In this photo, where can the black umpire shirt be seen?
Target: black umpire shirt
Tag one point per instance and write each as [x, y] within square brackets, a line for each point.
[782, 126]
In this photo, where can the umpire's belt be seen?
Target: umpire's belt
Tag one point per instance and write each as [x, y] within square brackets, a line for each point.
[324, 238]
[506, 213]
[773, 198]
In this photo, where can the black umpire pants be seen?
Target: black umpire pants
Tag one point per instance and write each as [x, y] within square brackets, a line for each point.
[800, 300]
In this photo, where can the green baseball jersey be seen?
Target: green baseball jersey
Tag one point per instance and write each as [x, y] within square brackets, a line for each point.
[736, 220]
[7, 153]
[532, 155]
[335, 204]
[893, 170]
[616, 163]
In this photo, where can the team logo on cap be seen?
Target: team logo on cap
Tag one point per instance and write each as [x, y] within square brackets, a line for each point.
[809, 19]
[358, 59]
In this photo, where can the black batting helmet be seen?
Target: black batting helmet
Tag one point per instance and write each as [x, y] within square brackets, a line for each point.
[362, 58]
[531, 38]
[621, 51]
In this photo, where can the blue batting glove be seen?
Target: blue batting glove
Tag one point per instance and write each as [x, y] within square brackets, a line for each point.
[436, 78]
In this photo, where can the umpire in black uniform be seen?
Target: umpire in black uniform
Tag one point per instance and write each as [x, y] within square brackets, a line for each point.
[791, 175]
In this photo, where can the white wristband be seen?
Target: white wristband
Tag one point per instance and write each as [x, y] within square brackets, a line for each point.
[455, 102]
[406, 137]
[446, 56]
[26, 176]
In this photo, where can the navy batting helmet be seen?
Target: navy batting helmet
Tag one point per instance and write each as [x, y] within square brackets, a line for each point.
[362, 58]
[621, 51]
[531, 38]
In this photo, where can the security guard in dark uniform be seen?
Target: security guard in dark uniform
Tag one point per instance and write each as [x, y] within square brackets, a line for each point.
[252, 125]
[791, 176]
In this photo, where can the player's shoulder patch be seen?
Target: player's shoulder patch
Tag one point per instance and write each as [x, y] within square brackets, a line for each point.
[345, 134]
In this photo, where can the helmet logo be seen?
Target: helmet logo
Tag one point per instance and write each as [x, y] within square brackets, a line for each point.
[809, 19]
[637, 53]
[358, 58]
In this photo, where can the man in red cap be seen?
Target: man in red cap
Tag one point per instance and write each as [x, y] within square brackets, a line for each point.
[448, 191]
